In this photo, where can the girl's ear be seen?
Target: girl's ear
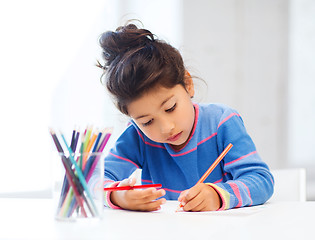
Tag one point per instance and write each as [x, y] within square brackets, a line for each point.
[189, 84]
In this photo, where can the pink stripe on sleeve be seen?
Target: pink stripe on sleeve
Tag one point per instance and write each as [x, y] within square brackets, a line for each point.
[248, 192]
[237, 193]
[108, 202]
[227, 118]
[240, 158]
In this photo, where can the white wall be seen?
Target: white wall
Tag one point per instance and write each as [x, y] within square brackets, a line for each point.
[301, 111]
[302, 82]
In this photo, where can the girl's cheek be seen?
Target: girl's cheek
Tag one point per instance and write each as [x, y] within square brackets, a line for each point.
[154, 135]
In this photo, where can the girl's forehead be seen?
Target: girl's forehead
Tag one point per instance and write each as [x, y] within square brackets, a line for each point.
[158, 91]
[155, 98]
[162, 91]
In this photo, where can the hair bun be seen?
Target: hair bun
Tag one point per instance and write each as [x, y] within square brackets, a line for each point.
[125, 38]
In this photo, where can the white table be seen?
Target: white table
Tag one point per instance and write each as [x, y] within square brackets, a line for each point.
[34, 219]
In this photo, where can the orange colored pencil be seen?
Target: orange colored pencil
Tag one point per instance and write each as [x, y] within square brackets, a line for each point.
[88, 148]
[210, 169]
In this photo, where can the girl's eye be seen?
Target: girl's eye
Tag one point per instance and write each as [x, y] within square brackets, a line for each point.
[147, 123]
[171, 109]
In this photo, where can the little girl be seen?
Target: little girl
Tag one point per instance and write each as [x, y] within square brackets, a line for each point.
[172, 139]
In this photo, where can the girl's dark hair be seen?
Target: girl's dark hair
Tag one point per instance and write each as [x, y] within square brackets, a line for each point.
[135, 62]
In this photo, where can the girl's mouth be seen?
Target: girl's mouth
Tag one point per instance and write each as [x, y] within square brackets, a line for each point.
[175, 137]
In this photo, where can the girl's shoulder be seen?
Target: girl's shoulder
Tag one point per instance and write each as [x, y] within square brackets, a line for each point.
[216, 110]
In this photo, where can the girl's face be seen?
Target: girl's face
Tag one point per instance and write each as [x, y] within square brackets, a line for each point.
[165, 115]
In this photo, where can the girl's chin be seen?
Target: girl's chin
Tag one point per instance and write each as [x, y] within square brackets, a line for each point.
[178, 146]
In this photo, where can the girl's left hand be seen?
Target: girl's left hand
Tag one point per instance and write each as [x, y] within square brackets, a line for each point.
[200, 197]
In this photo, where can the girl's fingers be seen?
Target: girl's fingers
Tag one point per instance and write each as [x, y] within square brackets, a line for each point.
[152, 194]
[201, 198]
[142, 200]
[193, 204]
[146, 200]
[146, 195]
[182, 195]
[188, 195]
[152, 206]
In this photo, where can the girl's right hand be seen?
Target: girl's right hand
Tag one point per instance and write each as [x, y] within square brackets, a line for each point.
[140, 200]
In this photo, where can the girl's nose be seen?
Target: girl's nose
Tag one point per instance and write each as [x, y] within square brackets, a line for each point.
[167, 125]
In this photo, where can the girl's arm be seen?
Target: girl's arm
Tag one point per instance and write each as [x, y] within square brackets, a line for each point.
[123, 159]
[252, 182]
